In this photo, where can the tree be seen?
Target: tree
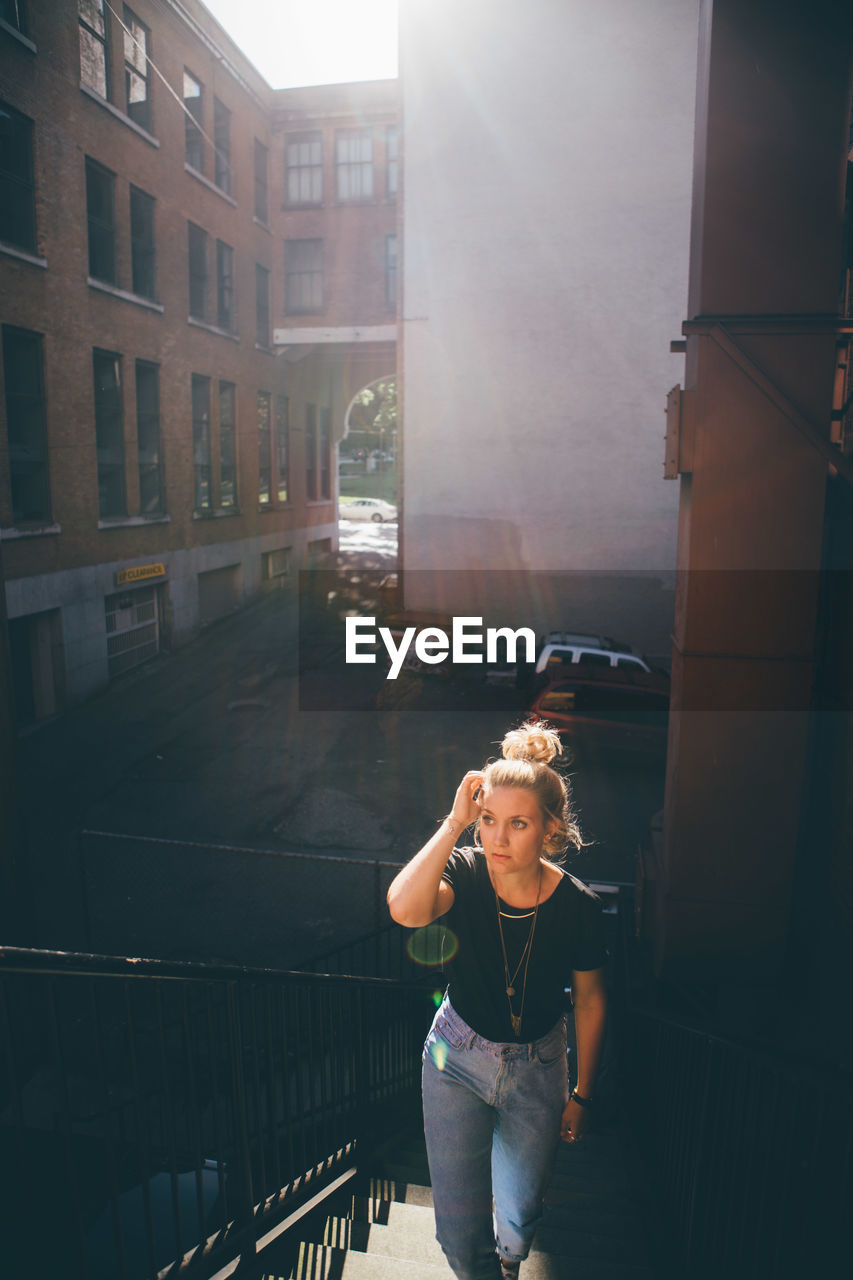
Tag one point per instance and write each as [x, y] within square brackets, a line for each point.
[373, 414]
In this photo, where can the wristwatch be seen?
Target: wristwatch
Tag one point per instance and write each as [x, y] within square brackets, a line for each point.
[580, 1100]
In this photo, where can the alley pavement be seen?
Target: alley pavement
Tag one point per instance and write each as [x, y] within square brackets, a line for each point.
[234, 825]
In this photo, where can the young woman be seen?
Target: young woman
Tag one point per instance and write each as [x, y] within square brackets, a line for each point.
[495, 1080]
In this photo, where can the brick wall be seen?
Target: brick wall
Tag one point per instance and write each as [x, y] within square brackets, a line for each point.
[52, 294]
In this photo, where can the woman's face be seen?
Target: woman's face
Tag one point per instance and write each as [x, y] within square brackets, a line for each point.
[512, 829]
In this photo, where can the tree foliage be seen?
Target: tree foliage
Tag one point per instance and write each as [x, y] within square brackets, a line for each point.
[374, 410]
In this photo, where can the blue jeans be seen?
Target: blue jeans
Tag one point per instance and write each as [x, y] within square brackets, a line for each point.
[492, 1122]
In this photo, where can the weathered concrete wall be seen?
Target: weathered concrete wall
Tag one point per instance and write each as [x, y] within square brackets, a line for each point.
[546, 207]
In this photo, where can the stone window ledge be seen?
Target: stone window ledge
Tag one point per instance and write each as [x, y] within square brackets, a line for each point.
[211, 186]
[119, 115]
[22, 255]
[126, 296]
[212, 328]
[131, 522]
[35, 531]
[18, 35]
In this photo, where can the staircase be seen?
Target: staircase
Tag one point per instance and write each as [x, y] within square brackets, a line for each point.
[595, 1225]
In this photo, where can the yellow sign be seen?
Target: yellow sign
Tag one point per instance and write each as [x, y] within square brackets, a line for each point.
[140, 573]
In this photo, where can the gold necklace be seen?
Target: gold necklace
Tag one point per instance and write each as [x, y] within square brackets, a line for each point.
[515, 1019]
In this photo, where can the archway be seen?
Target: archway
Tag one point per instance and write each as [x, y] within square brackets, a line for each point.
[367, 451]
[368, 495]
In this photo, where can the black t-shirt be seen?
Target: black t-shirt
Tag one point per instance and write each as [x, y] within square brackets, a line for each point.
[569, 935]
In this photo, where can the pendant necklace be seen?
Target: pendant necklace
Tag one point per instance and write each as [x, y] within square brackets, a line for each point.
[514, 1018]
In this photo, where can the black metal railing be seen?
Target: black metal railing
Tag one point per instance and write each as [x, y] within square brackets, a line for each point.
[749, 1149]
[752, 1155]
[403, 955]
[160, 1118]
[135, 890]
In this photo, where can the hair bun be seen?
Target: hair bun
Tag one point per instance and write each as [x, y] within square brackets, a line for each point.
[535, 741]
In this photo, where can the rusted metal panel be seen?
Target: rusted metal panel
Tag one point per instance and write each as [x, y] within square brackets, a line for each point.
[678, 456]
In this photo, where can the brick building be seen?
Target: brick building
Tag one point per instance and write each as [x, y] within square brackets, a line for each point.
[197, 273]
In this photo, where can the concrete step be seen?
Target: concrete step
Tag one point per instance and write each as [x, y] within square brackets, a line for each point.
[615, 1240]
[594, 1226]
[395, 1241]
[406, 1236]
[319, 1262]
[393, 1189]
[416, 1175]
[410, 1217]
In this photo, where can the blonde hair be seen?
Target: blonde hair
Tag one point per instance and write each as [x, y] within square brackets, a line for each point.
[526, 755]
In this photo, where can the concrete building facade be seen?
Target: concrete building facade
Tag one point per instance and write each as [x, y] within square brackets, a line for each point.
[546, 217]
[162, 460]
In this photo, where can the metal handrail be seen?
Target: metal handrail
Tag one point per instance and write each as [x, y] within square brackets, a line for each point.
[23, 959]
[760, 1050]
[184, 1109]
[392, 952]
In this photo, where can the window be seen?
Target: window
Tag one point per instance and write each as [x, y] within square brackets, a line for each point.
[276, 564]
[142, 243]
[137, 84]
[303, 276]
[94, 58]
[391, 270]
[262, 305]
[109, 434]
[392, 148]
[303, 163]
[264, 457]
[202, 500]
[325, 453]
[273, 453]
[262, 212]
[224, 285]
[151, 500]
[282, 437]
[311, 452]
[15, 13]
[221, 146]
[26, 425]
[193, 122]
[100, 213]
[17, 187]
[354, 164]
[198, 271]
[227, 444]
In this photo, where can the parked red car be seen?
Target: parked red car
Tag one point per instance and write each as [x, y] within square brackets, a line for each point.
[628, 713]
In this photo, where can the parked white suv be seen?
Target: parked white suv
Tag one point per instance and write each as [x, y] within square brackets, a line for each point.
[560, 649]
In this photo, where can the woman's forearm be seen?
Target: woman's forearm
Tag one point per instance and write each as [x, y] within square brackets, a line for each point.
[590, 1019]
[413, 893]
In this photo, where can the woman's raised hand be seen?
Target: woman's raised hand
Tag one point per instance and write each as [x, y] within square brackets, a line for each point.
[466, 808]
